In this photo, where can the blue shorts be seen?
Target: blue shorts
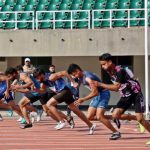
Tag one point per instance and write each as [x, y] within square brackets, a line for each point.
[101, 101]
[11, 97]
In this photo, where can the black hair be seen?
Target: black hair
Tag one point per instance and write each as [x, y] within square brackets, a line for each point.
[105, 57]
[52, 66]
[37, 72]
[10, 70]
[19, 68]
[72, 68]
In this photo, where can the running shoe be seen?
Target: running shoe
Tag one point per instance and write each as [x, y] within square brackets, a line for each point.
[115, 136]
[10, 113]
[33, 116]
[141, 128]
[91, 129]
[26, 126]
[19, 120]
[39, 115]
[147, 143]
[60, 126]
[23, 121]
[1, 118]
[70, 121]
[117, 122]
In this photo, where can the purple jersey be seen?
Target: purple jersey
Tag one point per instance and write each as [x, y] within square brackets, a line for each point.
[128, 84]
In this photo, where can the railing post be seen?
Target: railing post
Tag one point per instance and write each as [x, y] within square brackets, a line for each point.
[16, 20]
[128, 18]
[71, 20]
[93, 19]
[110, 11]
[36, 21]
[89, 18]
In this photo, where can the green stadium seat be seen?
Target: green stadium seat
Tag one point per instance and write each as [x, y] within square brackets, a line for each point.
[29, 8]
[21, 2]
[30, 25]
[52, 7]
[135, 4]
[99, 5]
[134, 14]
[112, 1]
[68, 2]
[97, 23]
[87, 6]
[46, 25]
[75, 15]
[123, 5]
[120, 15]
[10, 2]
[63, 7]
[1, 24]
[80, 2]
[48, 16]
[98, 15]
[61, 16]
[141, 22]
[1, 3]
[59, 24]
[75, 7]
[89, 2]
[4, 16]
[83, 15]
[40, 8]
[107, 16]
[56, 2]
[68, 25]
[111, 5]
[82, 24]
[101, 1]
[43, 2]
[22, 25]
[32, 2]
[17, 8]
[9, 25]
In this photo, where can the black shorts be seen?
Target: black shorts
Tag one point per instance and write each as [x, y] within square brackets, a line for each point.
[33, 98]
[11, 97]
[64, 96]
[137, 100]
[46, 96]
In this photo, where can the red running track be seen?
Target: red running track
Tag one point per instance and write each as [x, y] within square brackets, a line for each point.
[43, 136]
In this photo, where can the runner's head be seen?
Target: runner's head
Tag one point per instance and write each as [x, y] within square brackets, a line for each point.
[11, 73]
[106, 61]
[75, 70]
[39, 74]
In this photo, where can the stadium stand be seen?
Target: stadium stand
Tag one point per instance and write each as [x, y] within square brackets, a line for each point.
[22, 14]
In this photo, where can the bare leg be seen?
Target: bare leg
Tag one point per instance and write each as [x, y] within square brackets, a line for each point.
[102, 118]
[76, 110]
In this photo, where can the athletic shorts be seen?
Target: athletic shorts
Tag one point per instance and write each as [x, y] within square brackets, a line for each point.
[11, 97]
[33, 98]
[46, 97]
[136, 99]
[64, 96]
[101, 101]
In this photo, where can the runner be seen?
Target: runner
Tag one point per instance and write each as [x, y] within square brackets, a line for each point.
[100, 97]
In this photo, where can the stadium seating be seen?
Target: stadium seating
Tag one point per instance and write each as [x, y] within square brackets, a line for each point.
[61, 5]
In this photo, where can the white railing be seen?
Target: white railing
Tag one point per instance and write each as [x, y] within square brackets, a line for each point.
[71, 20]
[16, 20]
[111, 19]
[90, 17]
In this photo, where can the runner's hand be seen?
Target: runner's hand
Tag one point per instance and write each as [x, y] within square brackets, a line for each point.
[78, 102]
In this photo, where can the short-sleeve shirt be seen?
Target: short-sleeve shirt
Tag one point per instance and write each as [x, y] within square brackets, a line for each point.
[128, 84]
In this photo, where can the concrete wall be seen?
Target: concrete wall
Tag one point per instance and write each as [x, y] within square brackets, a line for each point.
[83, 42]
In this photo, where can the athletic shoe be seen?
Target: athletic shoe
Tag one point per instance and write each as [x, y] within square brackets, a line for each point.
[1, 118]
[117, 122]
[26, 126]
[70, 121]
[147, 143]
[115, 136]
[23, 121]
[33, 116]
[19, 120]
[39, 115]
[60, 126]
[91, 129]
[141, 128]
[10, 113]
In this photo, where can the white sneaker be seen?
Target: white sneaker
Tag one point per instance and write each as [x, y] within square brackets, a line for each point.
[57, 125]
[39, 115]
[91, 129]
[1, 118]
[33, 116]
[60, 126]
[19, 119]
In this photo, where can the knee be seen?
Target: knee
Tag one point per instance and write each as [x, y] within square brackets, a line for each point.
[90, 117]
[116, 116]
